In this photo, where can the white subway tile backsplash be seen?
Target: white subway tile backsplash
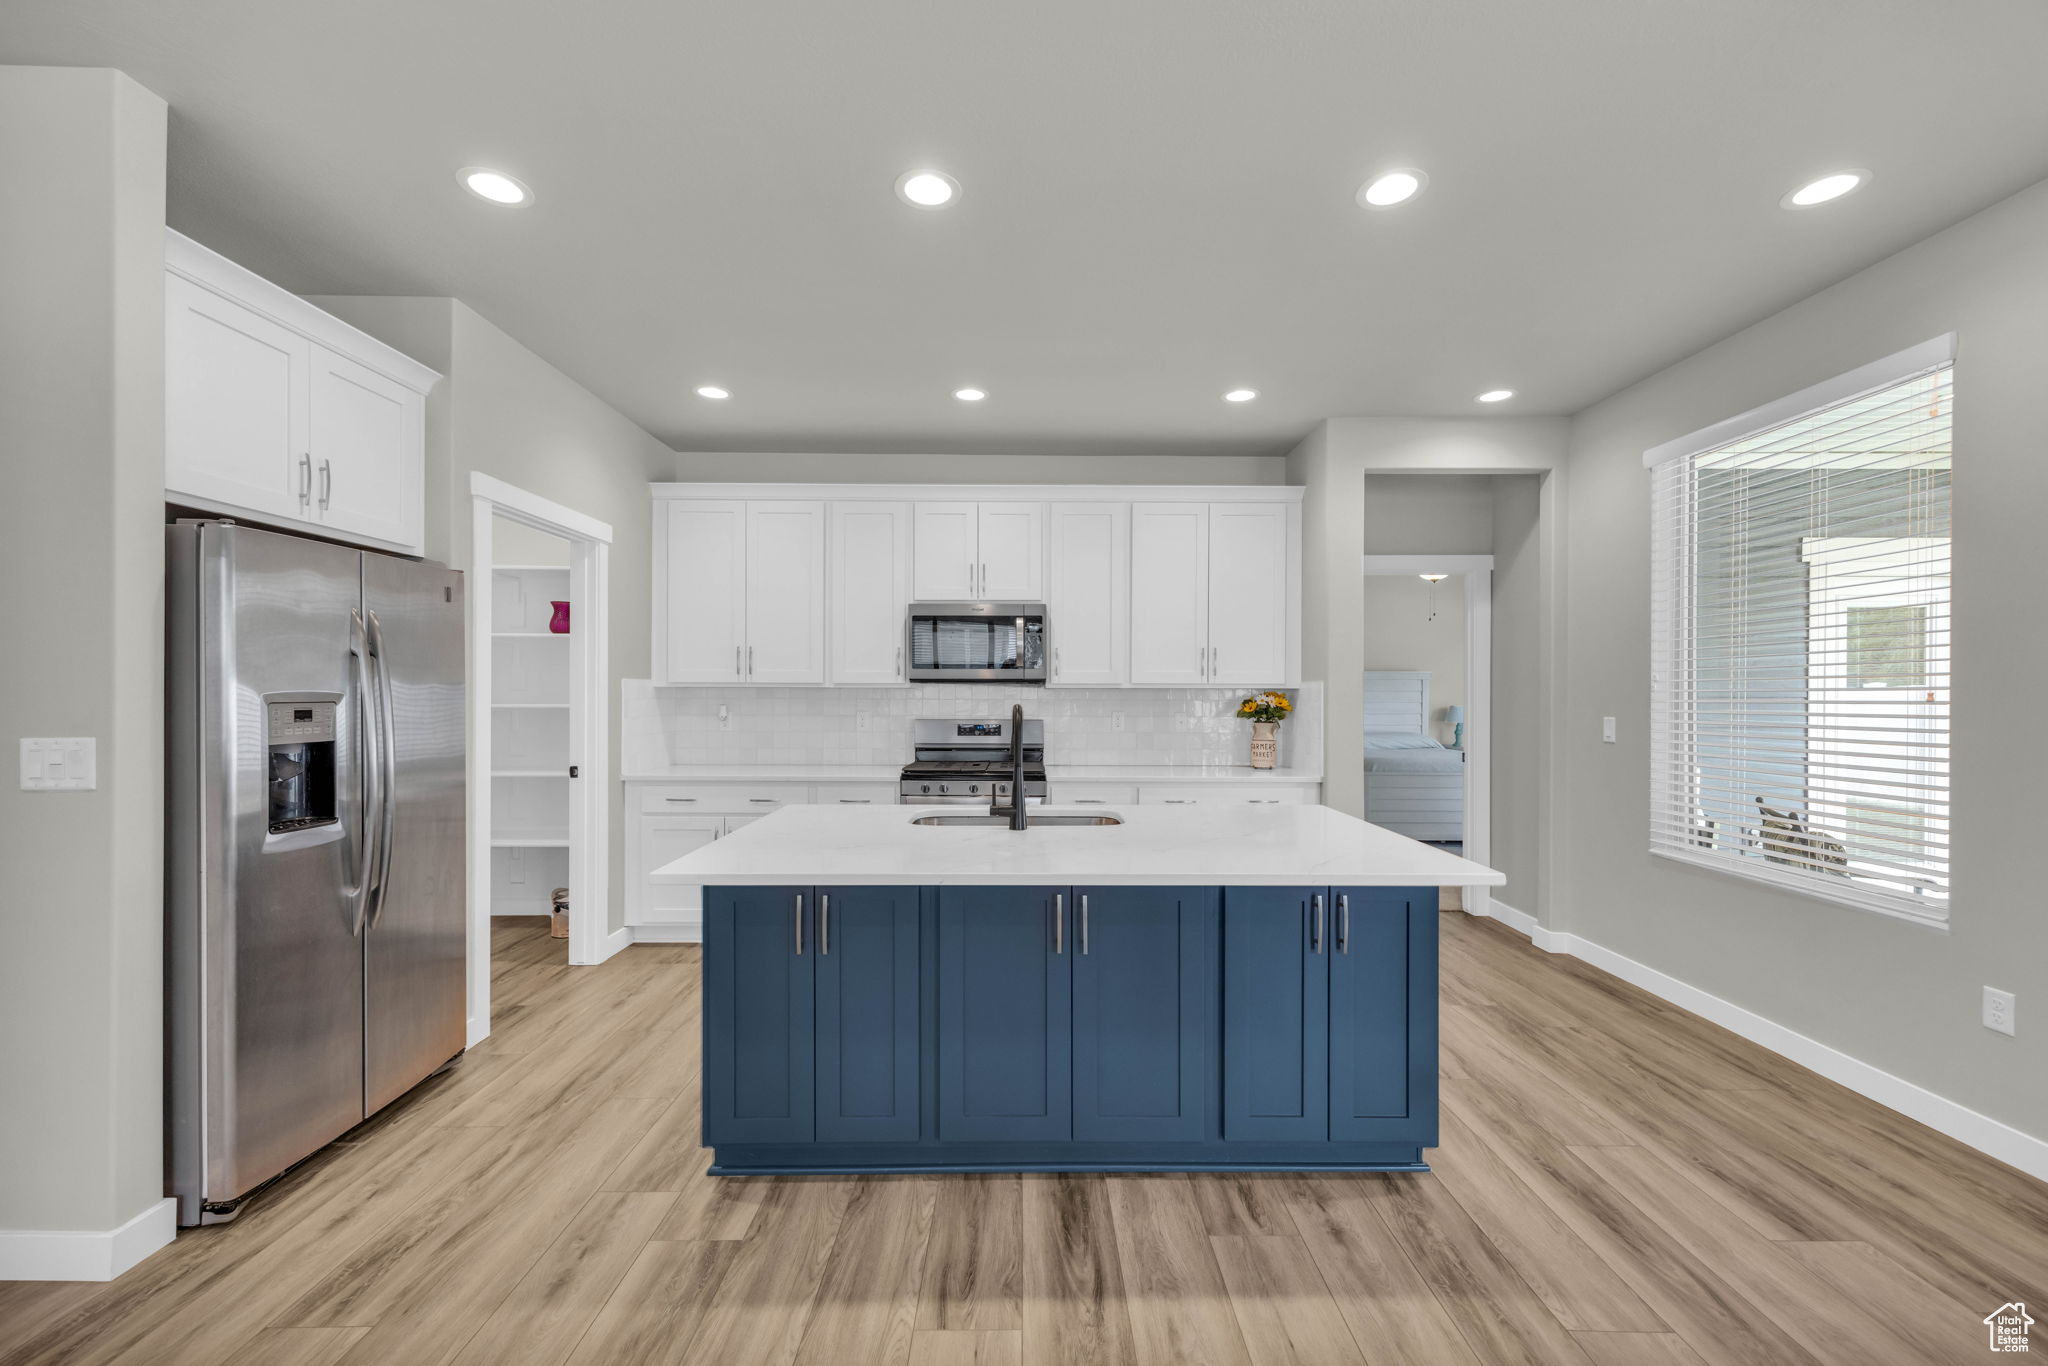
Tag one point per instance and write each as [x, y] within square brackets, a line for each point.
[868, 726]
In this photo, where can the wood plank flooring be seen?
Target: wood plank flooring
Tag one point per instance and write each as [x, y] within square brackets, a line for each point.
[1620, 1184]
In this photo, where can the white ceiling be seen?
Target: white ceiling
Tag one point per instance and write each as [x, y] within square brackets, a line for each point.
[1157, 194]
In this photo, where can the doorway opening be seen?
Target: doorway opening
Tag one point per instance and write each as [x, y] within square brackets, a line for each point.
[539, 832]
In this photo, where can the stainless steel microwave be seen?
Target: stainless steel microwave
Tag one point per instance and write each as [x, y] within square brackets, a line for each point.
[976, 642]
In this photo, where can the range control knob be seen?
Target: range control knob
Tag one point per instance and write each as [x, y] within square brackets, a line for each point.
[974, 787]
[942, 787]
[926, 788]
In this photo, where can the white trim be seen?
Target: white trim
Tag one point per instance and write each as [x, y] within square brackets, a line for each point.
[622, 937]
[1992, 1137]
[1425, 564]
[1864, 379]
[31, 1255]
[538, 512]
[1066, 493]
[1520, 921]
[677, 932]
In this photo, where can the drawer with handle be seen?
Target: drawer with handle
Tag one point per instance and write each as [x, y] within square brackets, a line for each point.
[1225, 794]
[753, 799]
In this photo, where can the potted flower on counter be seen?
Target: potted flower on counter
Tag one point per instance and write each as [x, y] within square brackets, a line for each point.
[1265, 710]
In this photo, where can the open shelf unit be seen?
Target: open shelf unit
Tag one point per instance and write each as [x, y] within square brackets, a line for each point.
[529, 739]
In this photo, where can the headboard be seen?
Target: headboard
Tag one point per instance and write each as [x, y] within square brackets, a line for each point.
[1397, 700]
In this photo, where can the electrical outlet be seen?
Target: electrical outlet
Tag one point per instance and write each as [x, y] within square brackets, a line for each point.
[1999, 1010]
[724, 717]
[1116, 720]
[1607, 729]
[516, 873]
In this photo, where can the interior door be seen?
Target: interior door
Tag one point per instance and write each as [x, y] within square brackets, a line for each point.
[1012, 552]
[415, 1007]
[1088, 594]
[702, 635]
[1170, 594]
[1005, 1028]
[1276, 1013]
[1248, 568]
[946, 555]
[785, 592]
[236, 401]
[367, 451]
[1144, 988]
[870, 590]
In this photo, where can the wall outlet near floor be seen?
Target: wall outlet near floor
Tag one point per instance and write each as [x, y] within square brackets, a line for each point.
[1999, 1008]
[1607, 729]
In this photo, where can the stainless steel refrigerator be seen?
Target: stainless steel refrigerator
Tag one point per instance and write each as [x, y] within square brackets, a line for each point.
[315, 873]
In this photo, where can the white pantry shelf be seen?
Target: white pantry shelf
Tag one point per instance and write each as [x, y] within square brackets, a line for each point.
[529, 635]
[530, 839]
[530, 773]
[529, 706]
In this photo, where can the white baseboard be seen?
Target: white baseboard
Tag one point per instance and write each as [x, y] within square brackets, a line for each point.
[682, 932]
[1989, 1136]
[38, 1256]
[479, 1030]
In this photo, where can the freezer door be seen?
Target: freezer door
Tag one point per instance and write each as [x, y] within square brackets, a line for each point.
[415, 1011]
[266, 984]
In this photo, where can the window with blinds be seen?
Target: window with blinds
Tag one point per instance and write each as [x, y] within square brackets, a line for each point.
[1800, 612]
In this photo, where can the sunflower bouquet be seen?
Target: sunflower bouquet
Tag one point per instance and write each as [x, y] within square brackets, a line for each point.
[1265, 706]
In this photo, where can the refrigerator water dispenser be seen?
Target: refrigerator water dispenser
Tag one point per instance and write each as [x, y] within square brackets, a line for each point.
[302, 740]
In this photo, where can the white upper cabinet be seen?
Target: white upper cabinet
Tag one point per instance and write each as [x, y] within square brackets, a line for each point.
[1250, 567]
[976, 551]
[700, 605]
[284, 415]
[1088, 594]
[870, 588]
[1169, 594]
[785, 592]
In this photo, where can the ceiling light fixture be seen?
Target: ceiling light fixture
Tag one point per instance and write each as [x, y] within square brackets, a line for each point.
[1240, 396]
[494, 186]
[1496, 395]
[1829, 187]
[927, 189]
[1389, 188]
[970, 395]
[712, 391]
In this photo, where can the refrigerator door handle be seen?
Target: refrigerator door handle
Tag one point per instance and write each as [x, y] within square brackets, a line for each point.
[371, 764]
[387, 747]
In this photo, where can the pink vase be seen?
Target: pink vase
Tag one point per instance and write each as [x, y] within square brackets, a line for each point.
[559, 622]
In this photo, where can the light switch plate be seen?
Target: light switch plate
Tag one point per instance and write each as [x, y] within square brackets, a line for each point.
[1607, 729]
[59, 764]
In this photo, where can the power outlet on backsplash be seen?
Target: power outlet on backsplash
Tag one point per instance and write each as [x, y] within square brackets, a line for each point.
[662, 727]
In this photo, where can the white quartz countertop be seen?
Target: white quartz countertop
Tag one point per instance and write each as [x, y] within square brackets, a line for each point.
[1055, 773]
[1278, 846]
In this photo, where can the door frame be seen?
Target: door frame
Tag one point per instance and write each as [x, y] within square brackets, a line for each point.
[1478, 574]
[589, 730]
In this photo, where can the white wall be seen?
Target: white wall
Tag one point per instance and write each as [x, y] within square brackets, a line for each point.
[1522, 774]
[1402, 633]
[1898, 996]
[81, 542]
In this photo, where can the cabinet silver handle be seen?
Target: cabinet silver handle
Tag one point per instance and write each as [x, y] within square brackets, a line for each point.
[855, 801]
[1263, 801]
[984, 577]
[679, 799]
[1180, 801]
[899, 661]
[326, 483]
[735, 661]
[1055, 661]
[1315, 933]
[764, 800]
[824, 925]
[798, 921]
[972, 586]
[1201, 661]
[305, 480]
[1090, 801]
[1084, 924]
[750, 661]
[1343, 924]
[1059, 922]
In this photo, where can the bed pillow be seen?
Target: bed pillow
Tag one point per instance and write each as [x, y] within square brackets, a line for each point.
[1398, 739]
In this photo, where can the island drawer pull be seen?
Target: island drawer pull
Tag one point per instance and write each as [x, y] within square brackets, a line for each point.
[798, 921]
[1343, 924]
[824, 924]
[1059, 922]
[1315, 932]
[1084, 924]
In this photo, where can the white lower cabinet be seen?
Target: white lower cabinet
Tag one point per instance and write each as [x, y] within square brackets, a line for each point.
[1229, 794]
[662, 840]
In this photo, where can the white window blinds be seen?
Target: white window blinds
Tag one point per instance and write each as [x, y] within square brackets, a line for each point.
[1800, 668]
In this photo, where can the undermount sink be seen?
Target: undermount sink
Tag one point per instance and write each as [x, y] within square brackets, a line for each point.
[983, 818]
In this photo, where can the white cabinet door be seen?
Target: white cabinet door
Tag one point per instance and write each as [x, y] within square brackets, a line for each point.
[1088, 599]
[946, 562]
[662, 840]
[701, 613]
[1011, 560]
[870, 589]
[368, 438]
[236, 402]
[1169, 594]
[1248, 594]
[785, 638]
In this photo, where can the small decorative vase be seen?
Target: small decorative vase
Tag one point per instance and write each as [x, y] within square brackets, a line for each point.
[559, 622]
[1265, 743]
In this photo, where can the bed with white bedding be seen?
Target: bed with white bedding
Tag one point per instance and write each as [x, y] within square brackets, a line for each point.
[1413, 784]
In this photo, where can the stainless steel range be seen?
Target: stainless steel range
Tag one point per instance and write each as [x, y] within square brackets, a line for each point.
[961, 762]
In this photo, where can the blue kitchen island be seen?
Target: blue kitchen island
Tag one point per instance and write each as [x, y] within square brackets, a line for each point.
[1145, 996]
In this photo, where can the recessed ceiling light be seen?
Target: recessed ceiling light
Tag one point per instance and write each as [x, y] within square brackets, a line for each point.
[1496, 395]
[495, 186]
[712, 391]
[970, 395]
[927, 189]
[1240, 396]
[1831, 186]
[1389, 188]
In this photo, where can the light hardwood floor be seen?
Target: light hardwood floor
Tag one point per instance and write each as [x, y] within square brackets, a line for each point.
[1620, 1184]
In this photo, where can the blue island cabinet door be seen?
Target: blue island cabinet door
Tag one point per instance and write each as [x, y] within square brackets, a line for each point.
[1276, 1027]
[1144, 992]
[1383, 1045]
[867, 1014]
[1005, 1034]
[759, 952]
